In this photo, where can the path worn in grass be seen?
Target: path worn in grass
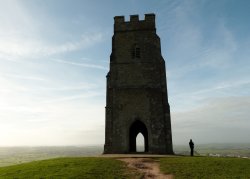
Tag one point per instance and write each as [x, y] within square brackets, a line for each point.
[148, 167]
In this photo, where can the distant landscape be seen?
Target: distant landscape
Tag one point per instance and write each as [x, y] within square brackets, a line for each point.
[17, 155]
[217, 150]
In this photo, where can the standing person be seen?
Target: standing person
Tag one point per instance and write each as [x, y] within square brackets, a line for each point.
[191, 145]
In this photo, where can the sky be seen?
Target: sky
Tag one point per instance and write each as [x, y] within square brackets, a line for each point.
[54, 57]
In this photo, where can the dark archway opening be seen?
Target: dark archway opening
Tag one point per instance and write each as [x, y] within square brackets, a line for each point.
[136, 128]
[140, 143]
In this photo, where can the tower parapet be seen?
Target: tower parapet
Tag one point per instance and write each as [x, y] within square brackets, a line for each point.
[134, 24]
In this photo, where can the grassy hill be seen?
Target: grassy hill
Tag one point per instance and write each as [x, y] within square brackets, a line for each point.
[206, 167]
[17, 155]
[69, 168]
[98, 167]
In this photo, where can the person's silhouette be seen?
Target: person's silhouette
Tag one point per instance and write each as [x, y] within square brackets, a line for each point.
[191, 145]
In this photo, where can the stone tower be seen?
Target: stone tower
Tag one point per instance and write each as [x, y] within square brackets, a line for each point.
[137, 100]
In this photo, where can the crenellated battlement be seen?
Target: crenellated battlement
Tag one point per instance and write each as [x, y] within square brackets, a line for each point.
[134, 24]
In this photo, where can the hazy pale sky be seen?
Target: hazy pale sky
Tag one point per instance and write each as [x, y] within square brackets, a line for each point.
[54, 57]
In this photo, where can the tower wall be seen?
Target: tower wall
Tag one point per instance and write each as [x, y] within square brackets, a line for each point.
[136, 88]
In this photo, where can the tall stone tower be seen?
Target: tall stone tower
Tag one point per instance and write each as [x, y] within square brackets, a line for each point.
[137, 100]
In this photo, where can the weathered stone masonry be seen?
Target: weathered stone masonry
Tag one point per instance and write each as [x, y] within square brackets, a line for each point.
[136, 99]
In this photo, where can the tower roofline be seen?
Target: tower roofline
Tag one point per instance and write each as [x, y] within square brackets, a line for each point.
[134, 23]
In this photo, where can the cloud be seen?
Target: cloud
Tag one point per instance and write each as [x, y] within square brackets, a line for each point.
[42, 105]
[191, 99]
[24, 77]
[21, 37]
[58, 123]
[87, 65]
[23, 47]
[88, 94]
[85, 41]
[82, 86]
[219, 120]
[190, 45]
[223, 86]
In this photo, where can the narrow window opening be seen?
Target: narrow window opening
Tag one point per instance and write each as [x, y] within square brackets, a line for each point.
[136, 52]
[133, 53]
[140, 143]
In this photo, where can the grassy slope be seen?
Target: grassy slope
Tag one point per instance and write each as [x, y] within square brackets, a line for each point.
[206, 167]
[181, 167]
[68, 168]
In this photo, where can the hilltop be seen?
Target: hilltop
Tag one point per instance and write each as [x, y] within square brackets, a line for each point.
[105, 167]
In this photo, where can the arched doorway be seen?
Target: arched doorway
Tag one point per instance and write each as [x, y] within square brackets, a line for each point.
[140, 143]
[136, 128]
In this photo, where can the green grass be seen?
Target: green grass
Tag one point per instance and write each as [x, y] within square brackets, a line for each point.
[69, 168]
[206, 167]
[97, 167]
